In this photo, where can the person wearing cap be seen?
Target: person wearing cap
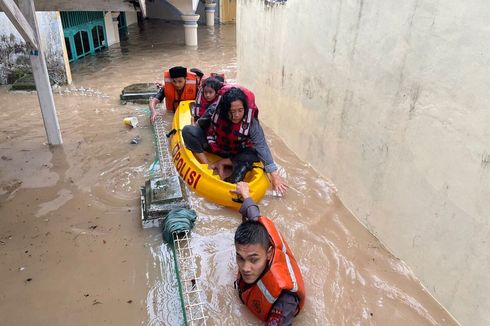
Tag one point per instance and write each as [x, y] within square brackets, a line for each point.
[269, 280]
[179, 85]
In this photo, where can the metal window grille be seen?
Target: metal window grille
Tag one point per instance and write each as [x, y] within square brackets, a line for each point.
[84, 33]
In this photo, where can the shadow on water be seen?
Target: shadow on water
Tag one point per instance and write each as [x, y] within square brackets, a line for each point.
[70, 217]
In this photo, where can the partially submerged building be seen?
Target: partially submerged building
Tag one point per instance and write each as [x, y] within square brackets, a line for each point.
[44, 37]
[66, 36]
[70, 31]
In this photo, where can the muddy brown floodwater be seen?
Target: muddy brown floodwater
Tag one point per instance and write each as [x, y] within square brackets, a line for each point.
[73, 252]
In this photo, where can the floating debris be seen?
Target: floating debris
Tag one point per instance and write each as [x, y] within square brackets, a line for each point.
[131, 122]
[82, 91]
[136, 140]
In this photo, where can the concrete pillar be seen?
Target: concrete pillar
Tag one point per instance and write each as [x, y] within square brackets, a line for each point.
[210, 9]
[115, 27]
[190, 27]
[41, 77]
[109, 28]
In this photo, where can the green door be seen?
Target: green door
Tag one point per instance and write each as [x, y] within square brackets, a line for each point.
[84, 33]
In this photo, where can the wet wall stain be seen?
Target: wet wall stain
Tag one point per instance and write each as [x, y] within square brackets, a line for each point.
[14, 61]
[335, 37]
[307, 88]
[275, 2]
[485, 160]
[344, 115]
[358, 25]
[414, 97]
[14, 56]
[408, 39]
[282, 77]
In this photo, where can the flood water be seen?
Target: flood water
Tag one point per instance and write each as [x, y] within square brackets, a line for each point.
[72, 249]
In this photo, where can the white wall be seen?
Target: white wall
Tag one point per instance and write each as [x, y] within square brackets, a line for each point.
[391, 100]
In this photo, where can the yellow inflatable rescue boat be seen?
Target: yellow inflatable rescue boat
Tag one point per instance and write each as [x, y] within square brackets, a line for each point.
[199, 177]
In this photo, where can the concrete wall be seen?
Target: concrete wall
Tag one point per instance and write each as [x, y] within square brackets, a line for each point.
[131, 17]
[390, 100]
[14, 59]
[111, 25]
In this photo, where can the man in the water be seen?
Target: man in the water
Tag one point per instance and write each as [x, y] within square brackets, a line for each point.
[270, 283]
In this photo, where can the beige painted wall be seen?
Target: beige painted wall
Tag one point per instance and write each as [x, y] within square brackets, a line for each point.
[390, 100]
[228, 11]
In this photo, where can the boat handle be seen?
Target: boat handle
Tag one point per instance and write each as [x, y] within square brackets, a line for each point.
[173, 131]
[237, 200]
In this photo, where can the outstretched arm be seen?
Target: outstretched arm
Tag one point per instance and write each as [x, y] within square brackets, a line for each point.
[278, 184]
[249, 209]
[154, 101]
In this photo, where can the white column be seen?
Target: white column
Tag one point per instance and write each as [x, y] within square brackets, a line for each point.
[115, 27]
[210, 8]
[190, 27]
[41, 77]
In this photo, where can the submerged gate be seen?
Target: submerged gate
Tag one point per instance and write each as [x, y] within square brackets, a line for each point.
[84, 33]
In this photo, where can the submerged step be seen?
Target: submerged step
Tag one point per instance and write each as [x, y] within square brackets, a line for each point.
[138, 93]
[26, 83]
[158, 197]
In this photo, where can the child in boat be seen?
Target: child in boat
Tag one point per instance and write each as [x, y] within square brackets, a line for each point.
[179, 85]
[269, 282]
[206, 96]
[231, 131]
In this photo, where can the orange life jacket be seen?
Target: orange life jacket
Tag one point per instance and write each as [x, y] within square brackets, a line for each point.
[283, 275]
[173, 97]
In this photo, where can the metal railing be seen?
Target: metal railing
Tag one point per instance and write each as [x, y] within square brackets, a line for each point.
[190, 291]
[167, 169]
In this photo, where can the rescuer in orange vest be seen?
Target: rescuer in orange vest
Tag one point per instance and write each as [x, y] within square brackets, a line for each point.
[269, 281]
[179, 85]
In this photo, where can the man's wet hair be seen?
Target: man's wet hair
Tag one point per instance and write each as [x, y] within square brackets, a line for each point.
[212, 82]
[252, 232]
[231, 96]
